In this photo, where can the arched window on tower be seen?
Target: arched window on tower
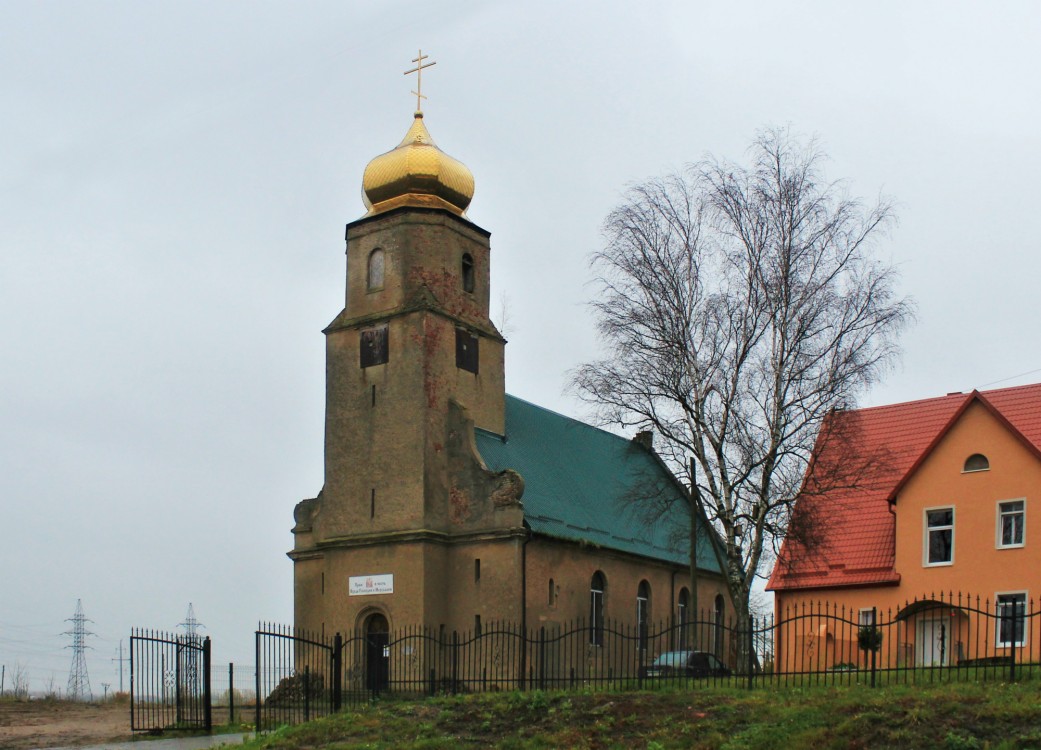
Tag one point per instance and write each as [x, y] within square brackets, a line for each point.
[468, 273]
[374, 278]
[643, 611]
[597, 589]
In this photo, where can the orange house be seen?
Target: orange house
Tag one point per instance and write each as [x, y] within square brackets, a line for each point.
[917, 515]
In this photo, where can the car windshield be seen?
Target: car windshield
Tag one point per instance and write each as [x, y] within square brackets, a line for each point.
[672, 659]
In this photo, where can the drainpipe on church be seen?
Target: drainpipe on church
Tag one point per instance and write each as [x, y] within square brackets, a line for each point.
[524, 603]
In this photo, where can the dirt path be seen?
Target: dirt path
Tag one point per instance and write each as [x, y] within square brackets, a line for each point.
[45, 723]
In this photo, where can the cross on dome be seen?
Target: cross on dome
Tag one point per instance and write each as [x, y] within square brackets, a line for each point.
[418, 70]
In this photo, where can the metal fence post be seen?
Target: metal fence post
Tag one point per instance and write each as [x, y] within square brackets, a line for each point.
[257, 699]
[452, 687]
[751, 652]
[207, 695]
[874, 651]
[542, 658]
[337, 669]
[231, 692]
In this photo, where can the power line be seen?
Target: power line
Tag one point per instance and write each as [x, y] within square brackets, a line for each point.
[1005, 380]
[78, 688]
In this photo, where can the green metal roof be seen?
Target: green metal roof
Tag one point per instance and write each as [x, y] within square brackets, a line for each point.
[587, 485]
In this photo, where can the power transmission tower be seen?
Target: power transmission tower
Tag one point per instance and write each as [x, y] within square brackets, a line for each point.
[191, 633]
[78, 688]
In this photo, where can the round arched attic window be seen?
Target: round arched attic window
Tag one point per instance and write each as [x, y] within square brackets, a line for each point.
[976, 462]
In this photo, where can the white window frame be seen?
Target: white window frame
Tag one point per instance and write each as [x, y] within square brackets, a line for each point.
[997, 625]
[1000, 525]
[866, 617]
[926, 529]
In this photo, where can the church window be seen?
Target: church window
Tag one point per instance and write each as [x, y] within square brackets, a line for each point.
[597, 589]
[552, 599]
[468, 273]
[976, 462]
[477, 569]
[374, 346]
[372, 503]
[374, 281]
[683, 617]
[477, 625]
[643, 606]
[466, 351]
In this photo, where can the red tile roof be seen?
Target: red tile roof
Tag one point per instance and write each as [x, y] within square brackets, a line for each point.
[851, 541]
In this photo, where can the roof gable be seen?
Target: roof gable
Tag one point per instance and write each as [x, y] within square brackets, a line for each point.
[588, 485]
[855, 543]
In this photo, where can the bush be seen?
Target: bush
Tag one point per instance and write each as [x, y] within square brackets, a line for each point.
[869, 638]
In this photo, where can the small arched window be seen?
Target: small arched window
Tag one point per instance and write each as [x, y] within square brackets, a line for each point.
[643, 611]
[468, 273]
[976, 462]
[375, 270]
[597, 589]
[552, 598]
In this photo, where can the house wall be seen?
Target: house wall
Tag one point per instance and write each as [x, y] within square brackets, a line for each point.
[979, 565]
[979, 571]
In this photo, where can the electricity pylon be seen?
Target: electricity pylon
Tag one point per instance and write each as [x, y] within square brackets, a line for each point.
[78, 688]
[191, 631]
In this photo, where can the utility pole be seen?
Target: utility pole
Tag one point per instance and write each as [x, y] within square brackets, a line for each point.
[120, 659]
[78, 688]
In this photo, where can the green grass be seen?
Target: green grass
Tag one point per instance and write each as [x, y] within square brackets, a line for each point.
[951, 716]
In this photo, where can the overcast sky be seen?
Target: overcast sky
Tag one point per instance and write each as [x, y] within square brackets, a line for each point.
[175, 179]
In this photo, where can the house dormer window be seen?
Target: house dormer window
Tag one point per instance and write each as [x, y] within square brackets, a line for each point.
[976, 462]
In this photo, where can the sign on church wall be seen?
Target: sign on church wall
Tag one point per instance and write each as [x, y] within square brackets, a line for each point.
[364, 585]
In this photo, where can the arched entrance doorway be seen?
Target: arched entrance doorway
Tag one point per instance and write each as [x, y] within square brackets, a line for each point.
[377, 656]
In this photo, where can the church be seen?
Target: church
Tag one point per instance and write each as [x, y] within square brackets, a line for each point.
[446, 501]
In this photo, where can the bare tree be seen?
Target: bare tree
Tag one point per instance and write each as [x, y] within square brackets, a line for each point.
[739, 305]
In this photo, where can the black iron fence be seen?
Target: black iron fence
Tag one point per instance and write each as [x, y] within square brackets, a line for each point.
[937, 637]
[169, 682]
[299, 676]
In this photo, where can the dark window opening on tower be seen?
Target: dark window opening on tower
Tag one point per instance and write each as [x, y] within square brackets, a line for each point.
[375, 270]
[374, 346]
[477, 569]
[466, 351]
[468, 273]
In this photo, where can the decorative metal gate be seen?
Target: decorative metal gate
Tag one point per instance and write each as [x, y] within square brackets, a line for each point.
[299, 676]
[169, 682]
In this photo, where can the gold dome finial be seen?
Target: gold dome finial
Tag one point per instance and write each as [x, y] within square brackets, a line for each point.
[417, 172]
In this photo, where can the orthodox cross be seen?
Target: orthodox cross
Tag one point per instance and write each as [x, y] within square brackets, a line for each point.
[418, 70]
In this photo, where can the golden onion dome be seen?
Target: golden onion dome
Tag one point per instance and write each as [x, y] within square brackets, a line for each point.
[417, 173]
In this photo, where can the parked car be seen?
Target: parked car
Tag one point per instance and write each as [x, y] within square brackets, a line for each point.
[686, 664]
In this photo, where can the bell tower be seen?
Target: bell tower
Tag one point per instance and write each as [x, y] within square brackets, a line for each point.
[413, 364]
